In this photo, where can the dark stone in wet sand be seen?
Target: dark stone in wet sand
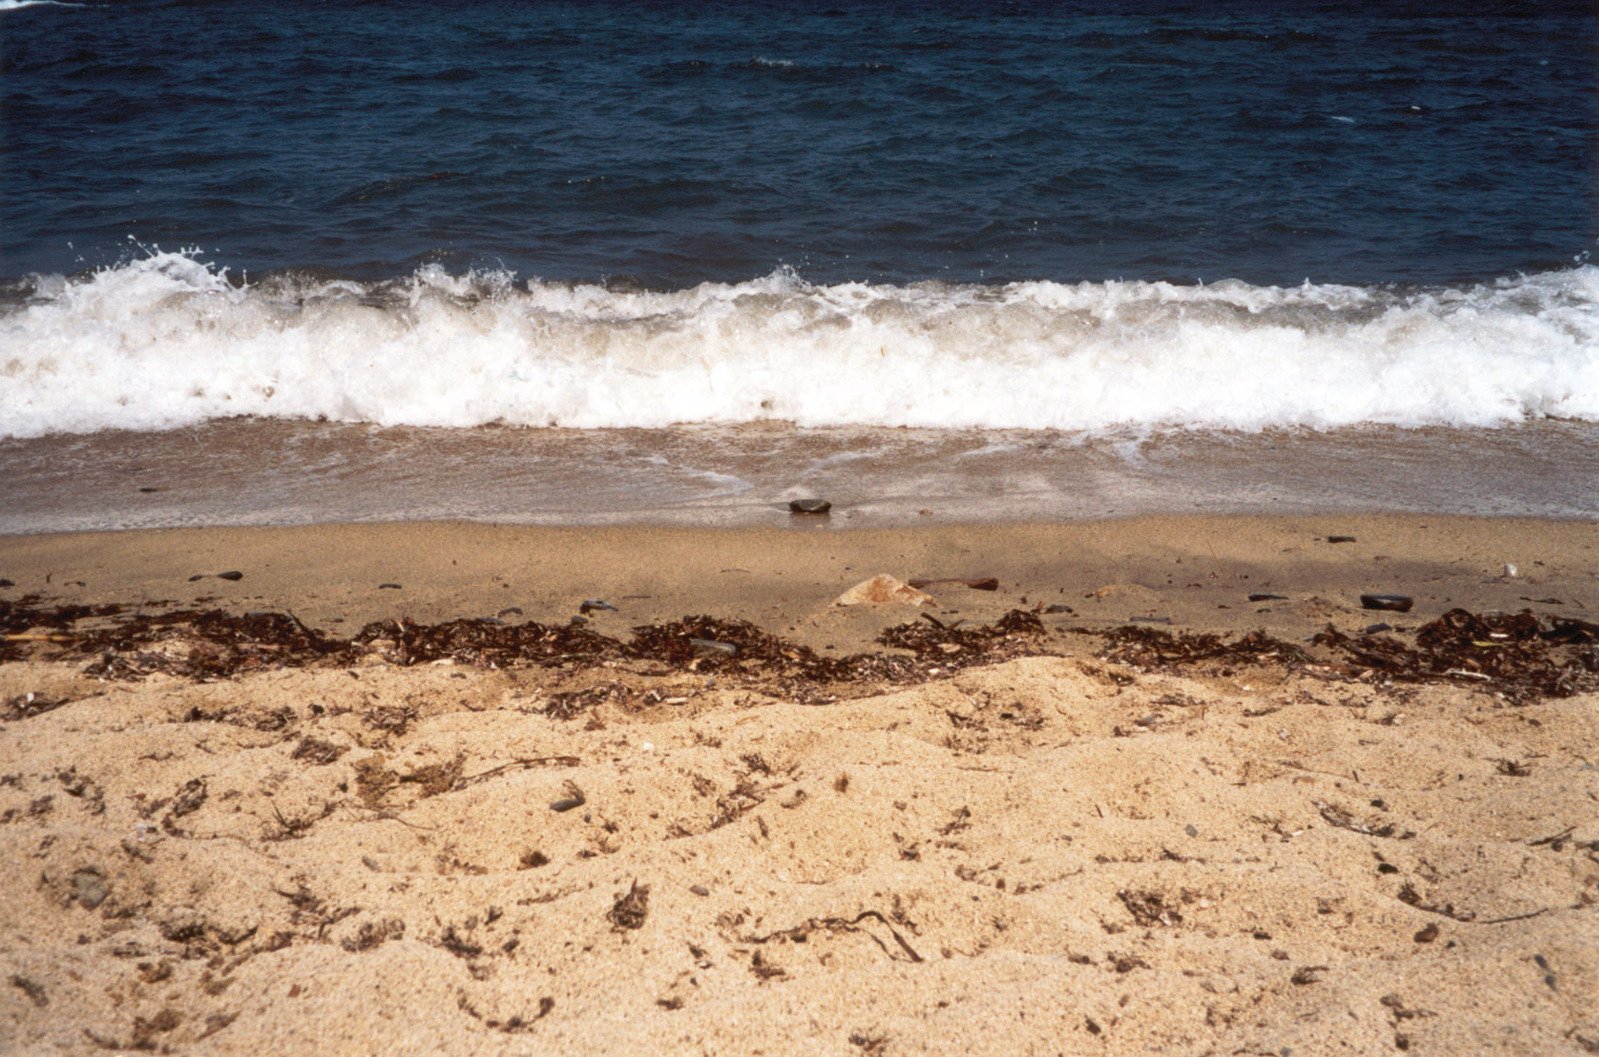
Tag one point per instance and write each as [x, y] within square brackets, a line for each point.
[596, 603]
[1340, 539]
[232, 574]
[1391, 603]
[809, 506]
[1268, 598]
[389, 587]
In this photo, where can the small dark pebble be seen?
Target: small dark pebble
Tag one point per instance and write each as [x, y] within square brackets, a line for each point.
[1191, 829]
[1426, 935]
[1060, 608]
[197, 576]
[147, 489]
[1391, 603]
[699, 890]
[1268, 598]
[574, 798]
[809, 506]
[596, 603]
[1340, 539]
[1387, 867]
[388, 587]
[578, 621]
[509, 611]
[1377, 629]
[7, 583]
[231, 574]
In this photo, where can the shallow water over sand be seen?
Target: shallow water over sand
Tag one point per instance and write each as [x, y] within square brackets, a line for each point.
[251, 471]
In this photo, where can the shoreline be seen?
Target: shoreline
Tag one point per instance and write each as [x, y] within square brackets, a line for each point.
[261, 472]
[1084, 836]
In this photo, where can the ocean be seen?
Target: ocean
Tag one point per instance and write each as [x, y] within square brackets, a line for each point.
[633, 261]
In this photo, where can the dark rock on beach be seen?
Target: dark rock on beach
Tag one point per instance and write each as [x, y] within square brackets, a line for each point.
[809, 506]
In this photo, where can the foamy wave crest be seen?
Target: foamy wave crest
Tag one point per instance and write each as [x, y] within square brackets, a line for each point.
[168, 341]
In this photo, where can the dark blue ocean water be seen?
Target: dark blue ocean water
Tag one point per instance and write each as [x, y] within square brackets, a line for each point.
[678, 142]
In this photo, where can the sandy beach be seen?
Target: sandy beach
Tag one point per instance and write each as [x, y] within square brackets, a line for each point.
[1056, 838]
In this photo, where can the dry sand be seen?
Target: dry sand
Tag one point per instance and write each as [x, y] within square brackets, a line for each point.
[1050, 854]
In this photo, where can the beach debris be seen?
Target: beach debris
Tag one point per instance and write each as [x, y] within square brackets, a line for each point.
[809, 506]
[30, 704]
[1059, 607]
[319, 753]
[34, 990]
[980, 583]
[473, 642]
[1389, 603]
[573, 799]
[389, 587]
[630, 908]
[1340, 539]
[1147, 647]
[1521, 655]
[1136, 619]
[90, 887]
[1337, 816]
[231, 574]
[882, 590]
[590, 604]
[801, 933]
[1510, 571]
[1149, 908]
[1260, 596]
[713, 648]
[509, 611]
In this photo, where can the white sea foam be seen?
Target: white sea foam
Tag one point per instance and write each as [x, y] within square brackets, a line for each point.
[15, 5]
[168, 341]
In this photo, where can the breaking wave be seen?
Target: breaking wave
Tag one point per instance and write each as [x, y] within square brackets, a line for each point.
[168, 341]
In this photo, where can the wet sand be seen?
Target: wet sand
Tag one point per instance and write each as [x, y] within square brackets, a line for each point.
[270, 472]
[1059, 852]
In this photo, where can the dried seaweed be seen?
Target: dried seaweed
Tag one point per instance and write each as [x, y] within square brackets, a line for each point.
[1149, 908]
[630, 908]
[1148, 648]
[1520, 655]
[801, 933]
[483, 643]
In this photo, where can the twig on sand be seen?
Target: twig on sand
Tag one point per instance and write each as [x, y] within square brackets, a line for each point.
[530, 761]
